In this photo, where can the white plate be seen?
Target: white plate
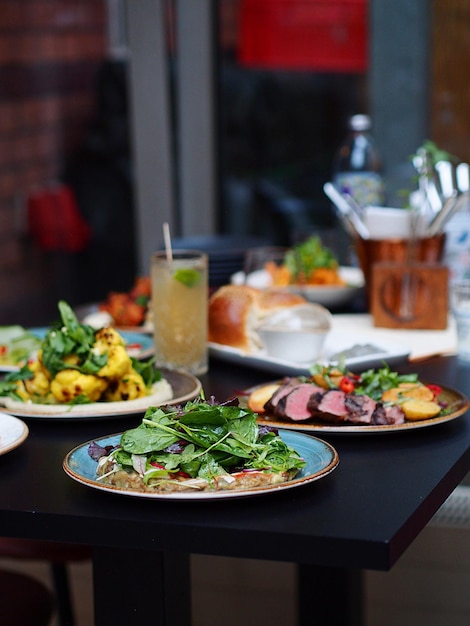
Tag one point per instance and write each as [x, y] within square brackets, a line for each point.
[139, 346]
[12, 432]
[320, 457]
[391, 352]
[84, 310]
[185, 387]
[327, 295]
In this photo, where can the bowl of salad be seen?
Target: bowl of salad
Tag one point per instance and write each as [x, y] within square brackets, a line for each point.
[309, 268]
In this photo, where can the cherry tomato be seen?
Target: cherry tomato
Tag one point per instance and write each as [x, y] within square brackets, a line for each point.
[435, 389]
[346, 384]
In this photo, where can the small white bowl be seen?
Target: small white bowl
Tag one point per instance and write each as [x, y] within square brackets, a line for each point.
[296, 334]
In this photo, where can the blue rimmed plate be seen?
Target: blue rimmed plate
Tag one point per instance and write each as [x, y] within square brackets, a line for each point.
[320, 457]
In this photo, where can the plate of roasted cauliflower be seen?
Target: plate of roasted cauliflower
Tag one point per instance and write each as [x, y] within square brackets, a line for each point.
[80, 371]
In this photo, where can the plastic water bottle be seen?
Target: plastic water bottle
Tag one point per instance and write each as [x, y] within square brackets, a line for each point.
[357, 165]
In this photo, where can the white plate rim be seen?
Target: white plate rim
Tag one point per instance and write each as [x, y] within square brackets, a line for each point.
[97, 410]
[18, 432]
[392, 352]
[327, 295]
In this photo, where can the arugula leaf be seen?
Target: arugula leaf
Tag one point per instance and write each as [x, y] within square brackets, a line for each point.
[374, 382]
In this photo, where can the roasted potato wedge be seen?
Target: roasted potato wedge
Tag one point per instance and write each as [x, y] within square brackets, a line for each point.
[335, 375]
[415, 410]
[417, 391]
[260, 396]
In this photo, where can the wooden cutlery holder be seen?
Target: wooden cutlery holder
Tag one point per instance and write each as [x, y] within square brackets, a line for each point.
[409, 296]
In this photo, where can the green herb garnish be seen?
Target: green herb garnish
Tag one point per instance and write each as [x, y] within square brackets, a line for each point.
[187, 277]
[308, 256]
[203, 441]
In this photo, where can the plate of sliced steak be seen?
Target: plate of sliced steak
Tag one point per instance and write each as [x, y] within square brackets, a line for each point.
[302, 405]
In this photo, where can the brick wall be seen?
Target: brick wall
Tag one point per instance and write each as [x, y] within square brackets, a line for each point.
[50, 52]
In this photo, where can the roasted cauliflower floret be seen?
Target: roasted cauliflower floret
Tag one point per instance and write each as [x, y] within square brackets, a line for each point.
[39, 384]
[21, 391]
[119, 363]
[71, 359]
[109, 337]
[129, 387]
[70, 383]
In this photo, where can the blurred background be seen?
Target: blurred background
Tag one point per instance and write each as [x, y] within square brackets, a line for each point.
[218, 116]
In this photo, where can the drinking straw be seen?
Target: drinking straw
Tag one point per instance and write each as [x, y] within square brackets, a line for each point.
[167, 240]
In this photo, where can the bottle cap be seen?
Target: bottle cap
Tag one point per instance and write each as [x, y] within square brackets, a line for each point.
[360, 123]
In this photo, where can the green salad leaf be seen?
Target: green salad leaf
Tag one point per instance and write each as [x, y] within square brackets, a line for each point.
[203, 440]
[308, 256]
[68, 337]
[17, 345]
[373, 382]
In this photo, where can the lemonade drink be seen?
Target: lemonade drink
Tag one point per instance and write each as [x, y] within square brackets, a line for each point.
[179, 309]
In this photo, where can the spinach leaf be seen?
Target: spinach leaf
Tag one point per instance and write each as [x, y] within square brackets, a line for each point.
[219, 437]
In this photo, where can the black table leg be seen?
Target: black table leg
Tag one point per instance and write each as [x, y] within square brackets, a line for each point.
[328, 595]
[135, 587]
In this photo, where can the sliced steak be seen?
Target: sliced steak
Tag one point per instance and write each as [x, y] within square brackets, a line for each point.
[287, 385]
[386, 415]
[294, 405]
[394, 414]
[379, 416]
[331, 407]
[316, 398]
[359, 409]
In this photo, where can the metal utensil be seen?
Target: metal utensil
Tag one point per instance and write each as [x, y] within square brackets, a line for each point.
[347, 214]
[462, 173]
[445, 173]
[450, 206]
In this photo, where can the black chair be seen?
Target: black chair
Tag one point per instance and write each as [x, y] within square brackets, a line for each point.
[58, 556]
[24, 601]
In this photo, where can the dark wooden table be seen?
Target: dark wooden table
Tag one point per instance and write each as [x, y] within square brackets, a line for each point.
[362, 516]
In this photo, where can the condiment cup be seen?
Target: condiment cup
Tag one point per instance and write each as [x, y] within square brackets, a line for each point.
[296, 334]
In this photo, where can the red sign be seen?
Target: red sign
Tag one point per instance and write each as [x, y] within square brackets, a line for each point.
[320, 35]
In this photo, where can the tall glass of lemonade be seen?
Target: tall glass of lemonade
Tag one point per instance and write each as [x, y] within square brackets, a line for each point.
[179, 310]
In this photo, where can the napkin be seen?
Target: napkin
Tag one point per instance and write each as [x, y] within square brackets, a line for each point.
[422, 343]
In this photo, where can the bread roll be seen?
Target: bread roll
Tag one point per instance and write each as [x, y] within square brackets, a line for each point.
[236, 310]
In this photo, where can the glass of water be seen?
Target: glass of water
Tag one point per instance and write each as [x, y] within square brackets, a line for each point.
[460, 301]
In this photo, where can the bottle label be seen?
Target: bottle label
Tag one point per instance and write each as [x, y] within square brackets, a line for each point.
[365, 187]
